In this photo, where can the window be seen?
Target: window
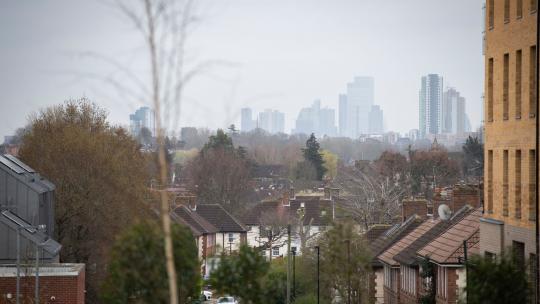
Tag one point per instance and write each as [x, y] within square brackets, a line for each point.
[505, 183]
[275, 251]
[490, 182]
[490, 90]
[442, 282]
[505, 86]
[532, 184]
[489, 255]
[534, 5]
[387, 276]
[231, 237]
[408, 279]
[518, 84]
[518, 249]
[517, 191]
[491, 14]
[532, 82]
[506, 11]
[519, 9]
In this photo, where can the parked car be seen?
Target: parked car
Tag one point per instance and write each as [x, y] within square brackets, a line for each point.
[227, 300]
[207, 295]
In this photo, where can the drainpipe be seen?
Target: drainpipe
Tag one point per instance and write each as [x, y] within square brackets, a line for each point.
[537, 226]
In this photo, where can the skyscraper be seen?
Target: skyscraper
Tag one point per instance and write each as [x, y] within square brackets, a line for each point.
[316, 120]
[342, 114]
[272, 121]
[454, 119]
[144, 117]
[360, 95]
[246, 120]
[376, 120]
[430, 116]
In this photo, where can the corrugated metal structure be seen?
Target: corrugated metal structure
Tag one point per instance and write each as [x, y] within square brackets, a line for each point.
[30, 197]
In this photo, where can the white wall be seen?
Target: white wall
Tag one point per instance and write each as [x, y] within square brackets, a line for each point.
[255, 240]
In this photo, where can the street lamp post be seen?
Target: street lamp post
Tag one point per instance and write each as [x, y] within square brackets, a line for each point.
[294, 273]
[348, 271]
[318, 254]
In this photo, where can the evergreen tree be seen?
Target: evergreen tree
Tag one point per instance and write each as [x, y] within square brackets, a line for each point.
[473, 151]
[497, 280]
[241, 275]
[313, 155]
[136, 271]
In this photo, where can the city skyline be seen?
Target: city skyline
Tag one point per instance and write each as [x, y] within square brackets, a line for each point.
[257, 74]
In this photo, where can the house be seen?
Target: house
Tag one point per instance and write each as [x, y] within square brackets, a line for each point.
[203, 232]
[231, 233]
[446, 253]
[380, 279]
[401, 260]
[27, 214]
[308, 214]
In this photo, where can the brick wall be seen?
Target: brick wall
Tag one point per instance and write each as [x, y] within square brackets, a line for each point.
[452, 288]
[414, 206]
[53, 289]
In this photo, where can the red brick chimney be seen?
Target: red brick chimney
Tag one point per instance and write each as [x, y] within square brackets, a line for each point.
[411, 206]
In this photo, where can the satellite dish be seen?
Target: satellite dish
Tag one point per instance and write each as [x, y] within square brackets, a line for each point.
[444, 212]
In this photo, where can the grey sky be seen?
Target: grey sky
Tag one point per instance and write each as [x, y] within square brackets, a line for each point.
[286, 53]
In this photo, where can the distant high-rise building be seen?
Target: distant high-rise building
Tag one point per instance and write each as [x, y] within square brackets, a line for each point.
[430, 116]
[414, 134]
[376, 120]
[144, 117]
[342, 114]
[246, 120]
[454, 119]
[360, 96]
[316, 120]
[272, 121]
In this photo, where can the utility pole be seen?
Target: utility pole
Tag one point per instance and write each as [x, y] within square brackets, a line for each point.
[288, 300]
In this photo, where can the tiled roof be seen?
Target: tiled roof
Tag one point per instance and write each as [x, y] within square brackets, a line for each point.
[408, 255]
[219, 217]
[196, 223]
[388, 255]
[318, 212]
[448, 247]
[393, 235]
[376, 231]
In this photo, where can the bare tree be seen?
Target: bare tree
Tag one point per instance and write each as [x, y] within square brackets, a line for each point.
[370, 197]
[164, 25]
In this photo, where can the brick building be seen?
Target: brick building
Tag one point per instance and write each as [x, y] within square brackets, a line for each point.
[58, 283]
[510, 118]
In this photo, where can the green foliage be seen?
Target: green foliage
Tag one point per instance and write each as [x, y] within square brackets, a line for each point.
[496, 280]
[137, 267]
[306, 299]
[219, 141]
[428, 272]
[313, 155]
[304, 170]
[343, 256]
[241, 275]
[220, 173]
[473, 162]
[100, 176]
[330, 163]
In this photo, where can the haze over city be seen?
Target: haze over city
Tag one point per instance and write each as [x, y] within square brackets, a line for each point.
[281, 55]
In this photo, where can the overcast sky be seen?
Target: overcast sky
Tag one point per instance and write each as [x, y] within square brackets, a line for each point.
[286, 53]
